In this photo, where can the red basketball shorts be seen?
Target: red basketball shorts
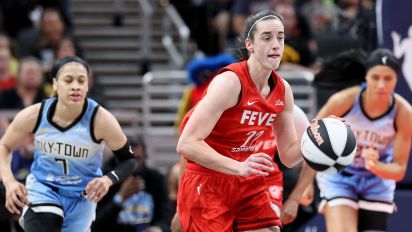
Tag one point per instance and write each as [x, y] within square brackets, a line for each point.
[212, 201]
[274, 183]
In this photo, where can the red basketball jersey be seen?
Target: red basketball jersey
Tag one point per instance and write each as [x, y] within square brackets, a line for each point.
[244, 126]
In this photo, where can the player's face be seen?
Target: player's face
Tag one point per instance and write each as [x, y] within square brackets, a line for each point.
[268, 44]
[71, 83]
[381, 80]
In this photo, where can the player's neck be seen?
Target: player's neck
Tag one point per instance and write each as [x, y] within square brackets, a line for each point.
[375, 106]
[259, 75]
[67, 113]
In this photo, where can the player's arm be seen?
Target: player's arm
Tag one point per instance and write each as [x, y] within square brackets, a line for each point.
[338, 104]
[222, 94]
[284, 129]
[22, 125]
[107, 128]
[290, 207]
[402, 146]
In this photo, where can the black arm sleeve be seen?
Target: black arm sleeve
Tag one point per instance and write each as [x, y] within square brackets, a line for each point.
[126, 164]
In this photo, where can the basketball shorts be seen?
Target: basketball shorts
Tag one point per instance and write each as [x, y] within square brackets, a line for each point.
[370, 193]
[274, 183]
[212, 201]
[77, 211]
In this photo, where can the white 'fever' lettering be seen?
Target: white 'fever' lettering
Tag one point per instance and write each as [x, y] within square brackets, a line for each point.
[253, 118]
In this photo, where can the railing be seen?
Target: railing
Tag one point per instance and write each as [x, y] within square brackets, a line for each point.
[178, 55]
[303, 91]
[162, 93]
[147, 29]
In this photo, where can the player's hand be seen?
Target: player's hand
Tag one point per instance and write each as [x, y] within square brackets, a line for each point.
[395, 36]
[16, 196]
[176, 225]
[97, 188]
[307, 196]
[130, 186]
[371, 156]
[256, 164]
[336, 117]
[289, 211]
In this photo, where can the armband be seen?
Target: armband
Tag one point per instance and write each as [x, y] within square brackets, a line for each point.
[124, 153]
[126, 166]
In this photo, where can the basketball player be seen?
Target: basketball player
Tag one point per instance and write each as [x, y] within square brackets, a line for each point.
[65, 181]
[274, 180]
[363, 193]
[224, 180]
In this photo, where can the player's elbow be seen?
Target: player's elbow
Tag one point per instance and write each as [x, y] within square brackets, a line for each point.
[400, 174]
[182, 147]
[288, 161]
[399, 177]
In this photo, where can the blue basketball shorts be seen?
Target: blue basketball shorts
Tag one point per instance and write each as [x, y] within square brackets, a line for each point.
[357, 191]
[78, 212]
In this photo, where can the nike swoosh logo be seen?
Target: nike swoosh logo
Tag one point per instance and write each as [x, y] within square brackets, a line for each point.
[251, 103]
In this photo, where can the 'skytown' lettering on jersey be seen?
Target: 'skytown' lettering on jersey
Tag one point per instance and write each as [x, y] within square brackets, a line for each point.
[373, 137]
[60, 148]
[257, 118]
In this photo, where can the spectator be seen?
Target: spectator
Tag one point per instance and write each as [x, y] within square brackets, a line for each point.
[321, 16]
[173, 176]
[219, 23]
[300, 47]
[65, 47]
[140, 203]
[241, 9]
[8, 43]
[15, 16]
[43, 43]
[7, 80]
[28, 89]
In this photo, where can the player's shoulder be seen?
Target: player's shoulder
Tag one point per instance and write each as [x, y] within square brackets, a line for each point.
[346, 96]
[102, 114]
[227, 75]
[31, 111]
[226, 80]
[341, 102]
[403, 106]
[27, 117]
[402, 102]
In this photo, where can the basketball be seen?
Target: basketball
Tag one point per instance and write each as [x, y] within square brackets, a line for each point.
[328, 145]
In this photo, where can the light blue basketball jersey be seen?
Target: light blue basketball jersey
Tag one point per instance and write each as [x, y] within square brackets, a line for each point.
[364, 189]
[66, 158]
[379, 131]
